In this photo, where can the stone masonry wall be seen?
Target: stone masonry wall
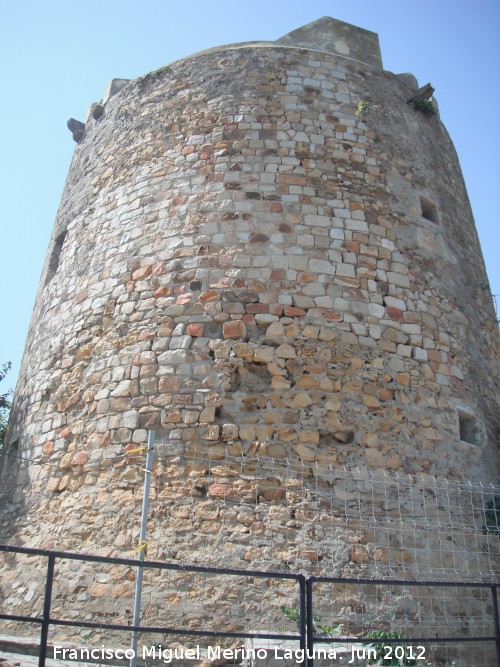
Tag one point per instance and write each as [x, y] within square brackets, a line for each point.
[241, 262]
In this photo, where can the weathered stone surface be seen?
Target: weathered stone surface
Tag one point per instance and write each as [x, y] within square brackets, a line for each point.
[359, 554]
[286, 351]
[256, 282]
[80, 458]
[234, 329]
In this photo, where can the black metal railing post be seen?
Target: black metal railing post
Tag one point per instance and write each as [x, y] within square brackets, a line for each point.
[303, 617]
[496, 621]
[310, 621]
[44, 632]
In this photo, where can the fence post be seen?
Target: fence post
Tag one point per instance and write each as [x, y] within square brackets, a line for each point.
[44, 633]
[144, 524]
[303, 618]
[496, 621]
[310, 621]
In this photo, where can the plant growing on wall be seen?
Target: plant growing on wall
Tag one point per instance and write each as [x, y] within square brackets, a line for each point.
[4, 403]
[326, 630]
[423, 105]
[161, 70]
[492, 516]
[422, 100]
[363, 107]
[392, 655]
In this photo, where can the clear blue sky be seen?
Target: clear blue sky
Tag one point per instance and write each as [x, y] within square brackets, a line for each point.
[58, 56]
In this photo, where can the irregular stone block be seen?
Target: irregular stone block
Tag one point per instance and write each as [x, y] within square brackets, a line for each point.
[234, 329]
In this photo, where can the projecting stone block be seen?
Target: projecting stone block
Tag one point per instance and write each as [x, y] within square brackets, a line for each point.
[77, 128]
[114, 87]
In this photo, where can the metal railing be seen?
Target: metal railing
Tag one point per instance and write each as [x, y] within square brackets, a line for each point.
[305, 598]
[46, 620]
[313, 638]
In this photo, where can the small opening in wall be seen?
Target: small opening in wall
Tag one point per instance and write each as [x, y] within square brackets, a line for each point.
[429, 209]
[13, 453]
[468, 428]
[54, 257]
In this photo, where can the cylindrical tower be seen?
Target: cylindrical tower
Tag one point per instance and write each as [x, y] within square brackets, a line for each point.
[265, 252]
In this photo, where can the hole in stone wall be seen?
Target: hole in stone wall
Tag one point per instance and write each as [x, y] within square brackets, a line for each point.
[468, 428]
[343, 437]
[12, 454]
[252, 377]
[248, 390]
[54, 257]
[428, 209]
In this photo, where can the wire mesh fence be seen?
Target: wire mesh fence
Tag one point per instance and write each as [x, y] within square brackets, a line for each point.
[263, 618]
[326, 519]
[364, 528]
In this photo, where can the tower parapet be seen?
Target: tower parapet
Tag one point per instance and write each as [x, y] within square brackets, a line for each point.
[339, 38]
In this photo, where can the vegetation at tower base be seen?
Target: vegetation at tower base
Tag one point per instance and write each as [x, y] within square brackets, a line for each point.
[492, 516]
[5, 404]
[288, 293]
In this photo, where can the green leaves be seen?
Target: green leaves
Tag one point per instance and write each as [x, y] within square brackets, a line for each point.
[5, 403]
[364, 106]
[492, 516]
[423, 105]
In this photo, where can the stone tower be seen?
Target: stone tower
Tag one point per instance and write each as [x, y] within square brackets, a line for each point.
[266, 253]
